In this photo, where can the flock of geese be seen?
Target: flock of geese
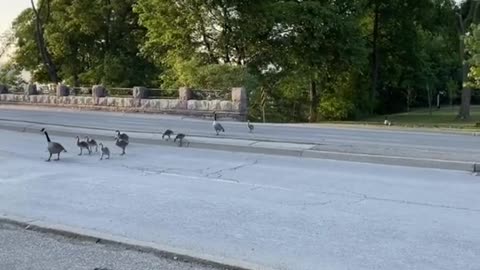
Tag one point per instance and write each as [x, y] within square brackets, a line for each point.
[121, 140]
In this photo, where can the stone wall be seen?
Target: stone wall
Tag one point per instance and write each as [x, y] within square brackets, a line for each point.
[227, 108]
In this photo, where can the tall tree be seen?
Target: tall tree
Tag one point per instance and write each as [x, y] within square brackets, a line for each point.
[466, 16]
[318, 39]
[42, 16]
[89, 42]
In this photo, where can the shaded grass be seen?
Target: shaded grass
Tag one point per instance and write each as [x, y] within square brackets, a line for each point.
[443, 118]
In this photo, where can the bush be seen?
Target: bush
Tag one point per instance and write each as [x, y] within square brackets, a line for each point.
[194, 74]
[335, 108]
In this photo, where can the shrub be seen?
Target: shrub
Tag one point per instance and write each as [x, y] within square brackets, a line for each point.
[335, 108]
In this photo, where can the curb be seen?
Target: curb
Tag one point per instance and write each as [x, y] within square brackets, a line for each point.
[126, 243]
[255, 147]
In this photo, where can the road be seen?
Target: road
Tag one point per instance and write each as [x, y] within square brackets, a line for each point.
[28, 250]
[328, 136]
[279, 212]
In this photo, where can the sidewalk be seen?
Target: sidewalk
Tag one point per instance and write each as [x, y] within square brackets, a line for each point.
[23, 249]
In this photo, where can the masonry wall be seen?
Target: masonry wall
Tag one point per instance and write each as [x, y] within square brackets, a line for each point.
[172, 106]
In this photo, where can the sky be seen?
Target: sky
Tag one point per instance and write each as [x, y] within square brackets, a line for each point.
[9, 9]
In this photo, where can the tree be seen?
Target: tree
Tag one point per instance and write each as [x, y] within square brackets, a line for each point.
[213, 31]
[466, 15]
[472, 46]
[10, 74]
[7, 39]
[42, 15]
[318, 39]
[89, 42]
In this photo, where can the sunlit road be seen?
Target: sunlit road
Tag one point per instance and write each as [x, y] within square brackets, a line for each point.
[279, 212]
[285, 133]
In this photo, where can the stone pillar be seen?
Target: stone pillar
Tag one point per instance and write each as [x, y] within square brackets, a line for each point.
[99, 91]
[63, 90]
[239, 96]
[3, 89]
[139, 92]
[31, 89]
[185, 93]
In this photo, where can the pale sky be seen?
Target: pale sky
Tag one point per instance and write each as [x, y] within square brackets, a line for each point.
[9, 9]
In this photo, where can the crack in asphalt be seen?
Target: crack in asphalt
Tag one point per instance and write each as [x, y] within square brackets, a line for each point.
[365, 197]
[422, 204]
[219, 173]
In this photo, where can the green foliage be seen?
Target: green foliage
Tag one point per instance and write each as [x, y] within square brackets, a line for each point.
[472, 45]
[337, 108]
[194, 74]
[91, 41]
[10, 74]
[307, 56]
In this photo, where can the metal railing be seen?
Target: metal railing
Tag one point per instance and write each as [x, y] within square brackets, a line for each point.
[202, 94]
[152, 93]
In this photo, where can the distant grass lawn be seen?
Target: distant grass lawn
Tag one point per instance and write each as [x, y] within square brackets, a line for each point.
[443, 118]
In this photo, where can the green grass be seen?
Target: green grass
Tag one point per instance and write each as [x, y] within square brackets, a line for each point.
[443, 118]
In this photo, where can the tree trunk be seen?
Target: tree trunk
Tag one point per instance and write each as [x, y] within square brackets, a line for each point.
[429, 95]
[463, 24]
[76, 80]
[42, 47]
[226, 33]
[313, 102]
[409, 98]
[464, 112]
[375, 57]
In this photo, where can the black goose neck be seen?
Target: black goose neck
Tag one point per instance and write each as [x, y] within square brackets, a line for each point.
[46, 135]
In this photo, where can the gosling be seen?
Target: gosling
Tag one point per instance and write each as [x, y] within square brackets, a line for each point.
[250, 126]
[83, 145]
[105, 151]
[92, 143]
[180, 137]
[167, 133]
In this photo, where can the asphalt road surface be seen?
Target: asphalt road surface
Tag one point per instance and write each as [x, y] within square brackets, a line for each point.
[280, 212]
[283, 133]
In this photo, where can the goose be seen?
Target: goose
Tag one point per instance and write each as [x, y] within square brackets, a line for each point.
[53, 147]
[250, 126]
[122, 136]
[83, 145]
[217, 126]
[179, 137]
[167, 133]
[92, 143]
[122, 144]
[387, 122]
[105, 151]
